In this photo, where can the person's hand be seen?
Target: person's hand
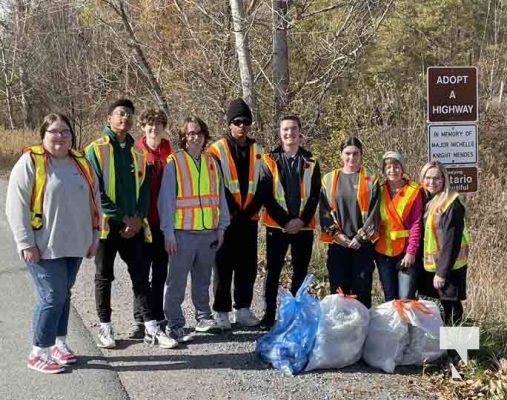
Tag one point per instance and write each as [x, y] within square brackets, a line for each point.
[341, 239]
[133, 223]
[408, 260]
[294, 225]
[220, 239]
[127, 233]
[31, 254]
[354, 244]
[171, 246]
[438, 282]
[92, 250]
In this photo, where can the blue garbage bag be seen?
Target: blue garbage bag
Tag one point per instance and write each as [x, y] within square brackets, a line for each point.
[288, 345]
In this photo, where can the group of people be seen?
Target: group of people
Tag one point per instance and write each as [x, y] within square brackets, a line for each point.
[193, 210]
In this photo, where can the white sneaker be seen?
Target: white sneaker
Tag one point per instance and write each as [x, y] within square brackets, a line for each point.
[222, 321]
[106, 337]
[245, 317]
[159, 337]
[206, 325]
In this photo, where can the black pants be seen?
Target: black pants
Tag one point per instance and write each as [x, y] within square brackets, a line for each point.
[131, 252]
[277, 244]
[238, 257]
[351, 270]
[157, 259]
[453, 312]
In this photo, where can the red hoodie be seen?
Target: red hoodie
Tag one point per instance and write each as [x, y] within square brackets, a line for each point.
[157, 160]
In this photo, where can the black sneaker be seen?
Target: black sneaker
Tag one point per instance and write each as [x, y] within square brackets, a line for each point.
[266, 324]
[136, 331]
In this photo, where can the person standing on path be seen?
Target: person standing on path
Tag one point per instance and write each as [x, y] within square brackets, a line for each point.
[52, 208]
[446, 243]
[349, 211]
[153, 123]
[290, 186]
[240, 159]
[124, 191]
[400, 230]
[194, 215]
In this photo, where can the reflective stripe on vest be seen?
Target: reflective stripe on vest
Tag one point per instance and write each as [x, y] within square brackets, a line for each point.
[221, 150]
[104, 152]
[39, 159]
[279, 192]
[198, 195]
[393, 213]
[431, 234]
[366, 181]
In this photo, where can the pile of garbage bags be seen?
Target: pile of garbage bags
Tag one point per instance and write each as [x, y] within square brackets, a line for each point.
[339, 330]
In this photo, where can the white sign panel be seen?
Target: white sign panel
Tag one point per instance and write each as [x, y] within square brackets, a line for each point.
[453, 144]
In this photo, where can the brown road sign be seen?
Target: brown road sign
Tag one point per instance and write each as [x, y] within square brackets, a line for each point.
[463, 179]
[452, 94]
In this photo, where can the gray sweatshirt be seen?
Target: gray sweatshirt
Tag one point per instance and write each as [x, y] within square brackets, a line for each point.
[67, 227]
[167, 202]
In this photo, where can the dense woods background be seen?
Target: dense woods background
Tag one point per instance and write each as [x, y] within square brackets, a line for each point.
[349, 66]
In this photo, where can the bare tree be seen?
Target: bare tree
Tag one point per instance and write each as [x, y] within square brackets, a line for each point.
[280, 58]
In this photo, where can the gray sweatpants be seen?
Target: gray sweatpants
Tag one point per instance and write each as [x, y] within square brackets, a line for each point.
[196, 254]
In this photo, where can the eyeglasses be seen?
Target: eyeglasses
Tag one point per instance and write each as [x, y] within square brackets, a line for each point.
[433, 178]
[62, 133]
[193, 133]
[241, 121]
[124, 114]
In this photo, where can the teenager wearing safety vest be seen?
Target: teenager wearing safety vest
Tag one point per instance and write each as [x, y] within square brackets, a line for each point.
[194, 215]
[348, 211]
[446, 243]
[290, 183]
[400, 230]
[153, 123]
[124, 191]
[53, 210]
[240, 159]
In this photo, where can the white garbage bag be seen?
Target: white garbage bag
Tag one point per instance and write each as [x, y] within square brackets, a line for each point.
[342, 330]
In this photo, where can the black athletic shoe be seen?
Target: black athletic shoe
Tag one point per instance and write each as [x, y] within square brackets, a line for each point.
[136, 331]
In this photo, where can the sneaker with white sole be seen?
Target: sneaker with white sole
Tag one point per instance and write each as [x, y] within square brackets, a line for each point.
[45, 364]
[245, 317]
[63, 355]
[179, 335]
[206, 325]
[159, 337]
[222, 320]
[136, 330]
[106, 337]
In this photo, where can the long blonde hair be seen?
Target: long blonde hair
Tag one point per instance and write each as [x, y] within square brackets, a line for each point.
[438, 200]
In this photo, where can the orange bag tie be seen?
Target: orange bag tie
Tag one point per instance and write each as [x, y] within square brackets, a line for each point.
[401, 306]
[339, 291]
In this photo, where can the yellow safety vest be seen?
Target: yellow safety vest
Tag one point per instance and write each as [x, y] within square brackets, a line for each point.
[432, 230]
[393, 212]
[40, 159]
[103, 150]
[198, 193]
[221, 150]
[279, 193]
[367, 180]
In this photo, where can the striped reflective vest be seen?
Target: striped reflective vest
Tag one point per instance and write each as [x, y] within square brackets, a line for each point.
[221, 150]
[432, 231]
[279, 193]
[393, 212]
[103, 150]
[366, 182]
[198, 193]
[40, 159]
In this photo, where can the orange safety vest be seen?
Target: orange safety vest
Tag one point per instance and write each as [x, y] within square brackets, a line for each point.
[103, 150]
[367, 179]
[393, 212]
[40, 159]
[221, 150]
[279, 193]
[198, 193]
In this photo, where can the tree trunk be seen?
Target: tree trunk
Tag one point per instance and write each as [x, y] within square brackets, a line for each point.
[280, 58]
[243, 54]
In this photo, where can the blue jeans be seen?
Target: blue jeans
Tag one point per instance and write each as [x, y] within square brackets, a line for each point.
[53, 281]
[396, 284]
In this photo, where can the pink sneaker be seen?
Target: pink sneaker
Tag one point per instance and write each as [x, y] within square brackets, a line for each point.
[44, 364]
[63, 355]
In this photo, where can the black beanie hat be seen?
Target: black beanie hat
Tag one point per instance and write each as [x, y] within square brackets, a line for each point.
[238, 108]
